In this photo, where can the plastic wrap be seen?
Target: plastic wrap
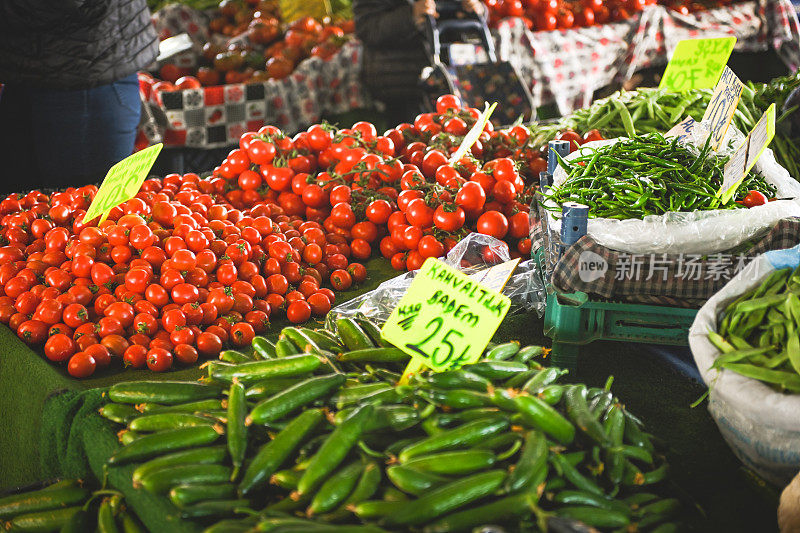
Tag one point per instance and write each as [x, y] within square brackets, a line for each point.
[761, 425]
[472, 254]
[698, 232]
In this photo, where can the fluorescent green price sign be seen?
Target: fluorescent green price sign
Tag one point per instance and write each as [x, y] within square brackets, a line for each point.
[473, 134]
[122, 182]
[722, 106]
[697, 63]
[445, 319]
[747, 154]
[292, 10]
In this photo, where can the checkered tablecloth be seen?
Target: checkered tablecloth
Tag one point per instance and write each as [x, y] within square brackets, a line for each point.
[212, 117]
[566, 67]
[683, 280]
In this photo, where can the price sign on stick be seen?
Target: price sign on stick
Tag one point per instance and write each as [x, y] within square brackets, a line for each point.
[747, 154]
[722, 106]
[122, 182]
[473, 134]
[697, 63]
[445, 319]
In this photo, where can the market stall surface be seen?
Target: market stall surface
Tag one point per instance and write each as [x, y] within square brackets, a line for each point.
[718, 493]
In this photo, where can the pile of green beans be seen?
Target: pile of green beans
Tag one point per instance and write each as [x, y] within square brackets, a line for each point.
[68, 507]
[758, 333]
[649, 110]
[647, 175]
[292, 442]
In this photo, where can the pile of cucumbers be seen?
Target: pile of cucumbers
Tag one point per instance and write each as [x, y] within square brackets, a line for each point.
[314, 433]
[67, 506]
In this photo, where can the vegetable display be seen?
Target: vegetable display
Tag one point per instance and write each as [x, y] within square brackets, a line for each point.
[270, 51]
[330, 440]
[68, 507]
[648, 175]
[758, 333]
[651, 110]
[192, 265]
[567, 14]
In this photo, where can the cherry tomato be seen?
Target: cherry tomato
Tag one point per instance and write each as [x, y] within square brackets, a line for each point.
[159, 359]
[135, 356]
[754, 198]
[81, 365]
[341, 279]
[449, 219]
[242, 334]
[185, 354]
[59, 347]
[299, 311]
[493, 223]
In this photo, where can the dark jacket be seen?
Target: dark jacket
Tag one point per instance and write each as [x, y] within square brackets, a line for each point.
[74, 44]
[394, 52]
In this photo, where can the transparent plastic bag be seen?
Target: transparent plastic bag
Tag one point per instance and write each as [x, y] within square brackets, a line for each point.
[698, 232]
[474, 253]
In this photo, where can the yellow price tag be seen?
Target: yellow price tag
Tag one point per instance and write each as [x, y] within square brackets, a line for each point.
[722, 106]
[473, 134]
[747, 154]
[445, 319]
[122, 182]
[697, 63]
[292, 10]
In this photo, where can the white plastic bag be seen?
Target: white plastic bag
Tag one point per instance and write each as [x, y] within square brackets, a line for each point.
[761, 425]
[524, 287]
[699, 232]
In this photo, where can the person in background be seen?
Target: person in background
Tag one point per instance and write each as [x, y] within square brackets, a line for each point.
[69, 105]
[394, 52]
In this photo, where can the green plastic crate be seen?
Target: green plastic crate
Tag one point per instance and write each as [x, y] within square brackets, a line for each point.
[573, 319]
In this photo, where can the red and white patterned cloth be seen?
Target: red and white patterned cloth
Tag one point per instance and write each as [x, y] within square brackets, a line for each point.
[566, 67]
[213, 117]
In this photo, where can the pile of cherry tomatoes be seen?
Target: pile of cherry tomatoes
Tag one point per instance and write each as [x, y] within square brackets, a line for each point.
[193, 264]
[173, 274]
[549, 15]
[398, 192]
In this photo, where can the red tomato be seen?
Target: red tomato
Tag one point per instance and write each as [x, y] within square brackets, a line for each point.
[135, 356]
[378, 211]
[185, 354]
[447, 102]
[81, 365]
[518, 225]
[242, 334]
[449, 219]
[471, 196]
[428, 246]
[59, 347]
[341, 280]
[493, 223]
[754, 198]
[159, 359]
[298, 311]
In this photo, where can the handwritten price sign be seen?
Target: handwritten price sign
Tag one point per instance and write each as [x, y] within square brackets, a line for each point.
[122, 182]
[747, 154]
[722, 106]
[445, 319]
[697, 63]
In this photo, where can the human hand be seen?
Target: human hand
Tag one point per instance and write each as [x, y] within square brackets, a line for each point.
[422, 8]
[473, 6]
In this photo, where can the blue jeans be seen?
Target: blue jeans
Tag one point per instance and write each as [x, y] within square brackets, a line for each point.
[57, 139]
